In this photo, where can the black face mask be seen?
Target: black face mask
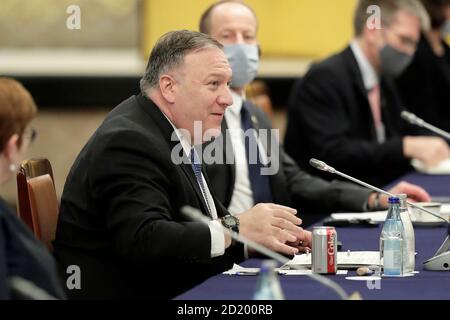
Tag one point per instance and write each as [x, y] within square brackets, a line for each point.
[393, 61]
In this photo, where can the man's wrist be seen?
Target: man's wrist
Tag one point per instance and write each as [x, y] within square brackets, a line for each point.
[231, 223]
[374, 201]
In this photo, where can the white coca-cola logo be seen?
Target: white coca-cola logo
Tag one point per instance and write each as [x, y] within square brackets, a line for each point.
[331, 248]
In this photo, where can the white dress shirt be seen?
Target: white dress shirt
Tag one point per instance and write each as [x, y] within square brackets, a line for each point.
[370, 80]
[217, 235]
[242, 197]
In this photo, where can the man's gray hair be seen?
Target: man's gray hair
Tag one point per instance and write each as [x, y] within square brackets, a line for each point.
[169, 53]
[389, 9]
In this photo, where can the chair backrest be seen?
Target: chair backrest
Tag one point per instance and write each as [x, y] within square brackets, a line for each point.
[29, 169]
[44, 208]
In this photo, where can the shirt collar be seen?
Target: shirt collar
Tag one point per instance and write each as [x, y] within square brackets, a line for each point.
[236, 107]
[368, 73]
[185, 142]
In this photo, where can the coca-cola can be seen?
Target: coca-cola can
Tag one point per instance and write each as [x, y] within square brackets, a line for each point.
[324, 250]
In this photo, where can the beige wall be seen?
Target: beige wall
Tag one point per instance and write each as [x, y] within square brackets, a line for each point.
[61, 135]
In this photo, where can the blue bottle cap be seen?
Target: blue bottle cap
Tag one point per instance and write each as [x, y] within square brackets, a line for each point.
[393, 200]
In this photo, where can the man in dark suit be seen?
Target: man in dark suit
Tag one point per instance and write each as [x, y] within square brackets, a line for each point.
[120, 219]
[346, 111]
[430, 70]
[234, 24]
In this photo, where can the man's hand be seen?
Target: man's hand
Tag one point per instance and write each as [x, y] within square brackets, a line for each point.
[429, 150]
[303, 245]
[414, 192]
[273, 226]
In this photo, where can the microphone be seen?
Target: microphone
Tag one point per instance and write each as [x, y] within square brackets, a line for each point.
[196, 215]
[22, 288]
[320, 165]
[415, 120]
[441, 259]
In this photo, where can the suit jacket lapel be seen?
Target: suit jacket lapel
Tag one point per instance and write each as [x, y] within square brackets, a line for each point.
[355, 72]
[228, 153]
[168, 132]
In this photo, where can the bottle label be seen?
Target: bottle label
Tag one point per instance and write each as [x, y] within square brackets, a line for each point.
[392, 258]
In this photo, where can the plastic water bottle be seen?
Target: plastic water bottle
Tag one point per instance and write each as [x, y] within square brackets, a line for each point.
[391, 240]
[268, 285]
[409, 251]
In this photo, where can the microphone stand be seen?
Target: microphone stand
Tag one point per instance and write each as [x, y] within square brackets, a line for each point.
[320, 165]
[415, 120]
[441, 260]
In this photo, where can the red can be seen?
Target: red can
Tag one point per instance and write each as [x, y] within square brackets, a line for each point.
[324, 250]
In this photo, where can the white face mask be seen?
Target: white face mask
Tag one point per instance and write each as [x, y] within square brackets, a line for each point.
[244, 62]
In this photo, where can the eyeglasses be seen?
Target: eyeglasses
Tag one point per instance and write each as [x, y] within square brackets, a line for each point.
[405, 40]
[30, 134]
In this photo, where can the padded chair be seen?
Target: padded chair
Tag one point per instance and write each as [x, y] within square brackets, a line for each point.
[44, 208]
[29, 169]
[37, 200]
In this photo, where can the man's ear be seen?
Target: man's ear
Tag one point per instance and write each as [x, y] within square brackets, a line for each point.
[11, 149]
[373, 36]
[167, 85]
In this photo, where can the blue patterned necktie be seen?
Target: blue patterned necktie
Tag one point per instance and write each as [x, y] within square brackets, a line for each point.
[260, 183]
[197, 168]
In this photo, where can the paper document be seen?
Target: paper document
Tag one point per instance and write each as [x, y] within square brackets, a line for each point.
[380, 216]
[442, 167]
[376, 216]
[345, 260]
[445, 208]
[293, 272]
[241, 271]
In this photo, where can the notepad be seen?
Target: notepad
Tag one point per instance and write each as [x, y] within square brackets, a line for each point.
[375, 216]
[237, 270]
[442, 167]
[345, 260]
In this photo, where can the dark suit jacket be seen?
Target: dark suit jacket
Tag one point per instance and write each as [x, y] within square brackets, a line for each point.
[21, 255]
[425, 85]
[329, 118]
[290, 186]
[120, 219]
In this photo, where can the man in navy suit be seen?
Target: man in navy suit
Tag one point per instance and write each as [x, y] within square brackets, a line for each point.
[346, 110]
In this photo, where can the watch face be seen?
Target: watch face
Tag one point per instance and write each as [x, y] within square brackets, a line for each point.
[231, 221]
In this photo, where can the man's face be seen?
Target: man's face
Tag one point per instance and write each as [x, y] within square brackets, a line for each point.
[201, 91]
[233, 23]
[404, 32]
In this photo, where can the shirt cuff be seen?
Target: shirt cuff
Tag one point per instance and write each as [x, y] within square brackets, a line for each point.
[217, 239]
[245, 251]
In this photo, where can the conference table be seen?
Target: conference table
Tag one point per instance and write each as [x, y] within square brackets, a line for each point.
[422, 286]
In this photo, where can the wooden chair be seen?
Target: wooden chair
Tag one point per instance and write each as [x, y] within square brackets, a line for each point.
[44, 208]
[30, 169]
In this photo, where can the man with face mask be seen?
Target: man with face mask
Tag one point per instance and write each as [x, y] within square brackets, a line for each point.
[346, 111]
[239, 184]
[430, 70]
